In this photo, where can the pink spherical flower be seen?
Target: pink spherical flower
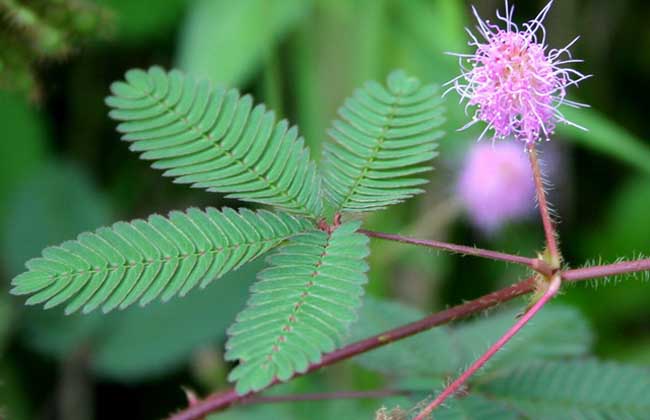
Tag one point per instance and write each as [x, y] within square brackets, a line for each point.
[496, 185]
[515, 82]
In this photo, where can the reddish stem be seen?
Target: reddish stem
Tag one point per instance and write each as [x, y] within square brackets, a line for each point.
[533, 263]
[223, 400]
[549, 229]
[606, 270]
[552, 290]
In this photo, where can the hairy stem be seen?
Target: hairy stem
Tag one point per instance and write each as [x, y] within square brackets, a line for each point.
[549, 229]
[450, 390]
[222, 400]
[533, 263]
[606, 270]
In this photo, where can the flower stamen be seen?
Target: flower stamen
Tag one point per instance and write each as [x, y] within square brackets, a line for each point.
[513, 82]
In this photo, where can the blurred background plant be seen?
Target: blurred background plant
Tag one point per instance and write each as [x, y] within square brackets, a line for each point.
[63, 171]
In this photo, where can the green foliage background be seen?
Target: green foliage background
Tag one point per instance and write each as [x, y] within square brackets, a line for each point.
[63, 171]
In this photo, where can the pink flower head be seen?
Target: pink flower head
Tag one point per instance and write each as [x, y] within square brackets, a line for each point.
[516, 84]
[496, 185]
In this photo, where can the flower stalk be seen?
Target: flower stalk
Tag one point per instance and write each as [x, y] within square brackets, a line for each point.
[549, 229]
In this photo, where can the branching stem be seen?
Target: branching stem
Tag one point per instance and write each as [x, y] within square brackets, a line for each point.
[222, 400]
[532, 263]
[554, 287]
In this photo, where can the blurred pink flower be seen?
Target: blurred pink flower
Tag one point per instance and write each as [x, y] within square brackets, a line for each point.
[496, 185]
[516, 84]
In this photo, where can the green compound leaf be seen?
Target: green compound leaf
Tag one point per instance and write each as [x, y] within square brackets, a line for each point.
[141, 260]
[581, 389]
[386, 135]
[215, 139]
[300, 308]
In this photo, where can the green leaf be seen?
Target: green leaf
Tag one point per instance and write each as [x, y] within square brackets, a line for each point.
[346, 50]
[558, 331]
[225, 41]
[139, 345]
[430, 353]
[39, 214]
[262, 411]
[142, 260]
[301, 410]
[476, 407]
[555, 332]
[129, 345]
[300, 307]
[39, 211]
[423, 32]
[135, 345]
[584, 389]
[386, 135]
[606, 136]
[623, 232]
[215, 139]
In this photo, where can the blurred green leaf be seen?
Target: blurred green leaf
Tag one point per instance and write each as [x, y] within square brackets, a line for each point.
[477, 407]
[558, 331]
[140, 21]
[57, 335]
[573, 389]
[145, 342]
[434, 27]
[625, 229]
[314, 410]
[422, 33]
[6, 318]
[226, 41]
[23, 144]
[431, 353]
[57, 202]
[629, 350]
[606, 136]
[141, 343]
[14, 401]
[622, 232]
[275, 411]
[328, 63]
